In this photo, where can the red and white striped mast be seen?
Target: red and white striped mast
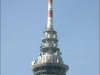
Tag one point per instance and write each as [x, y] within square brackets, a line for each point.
[50, 14]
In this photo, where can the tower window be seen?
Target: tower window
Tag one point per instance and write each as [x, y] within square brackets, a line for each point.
[48, 67]
[37, 68]
[42, 67]
[45, 67]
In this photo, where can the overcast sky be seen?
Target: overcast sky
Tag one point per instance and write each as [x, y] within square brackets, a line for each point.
[77, 26]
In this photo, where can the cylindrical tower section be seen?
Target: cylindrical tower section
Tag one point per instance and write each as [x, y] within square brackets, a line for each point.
[50, 15]
[50, 69]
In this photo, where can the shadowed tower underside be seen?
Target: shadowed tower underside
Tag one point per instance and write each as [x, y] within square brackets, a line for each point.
[49, 61]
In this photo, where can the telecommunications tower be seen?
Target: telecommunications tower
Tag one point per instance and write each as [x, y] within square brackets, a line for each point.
[49, 61]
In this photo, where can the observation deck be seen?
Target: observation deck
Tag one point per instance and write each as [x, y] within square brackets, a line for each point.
[50, 69]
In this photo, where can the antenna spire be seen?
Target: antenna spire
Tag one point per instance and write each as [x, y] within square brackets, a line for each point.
[50, 15]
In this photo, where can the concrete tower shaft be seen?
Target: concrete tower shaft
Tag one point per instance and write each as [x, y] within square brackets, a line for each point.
[50, 15]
